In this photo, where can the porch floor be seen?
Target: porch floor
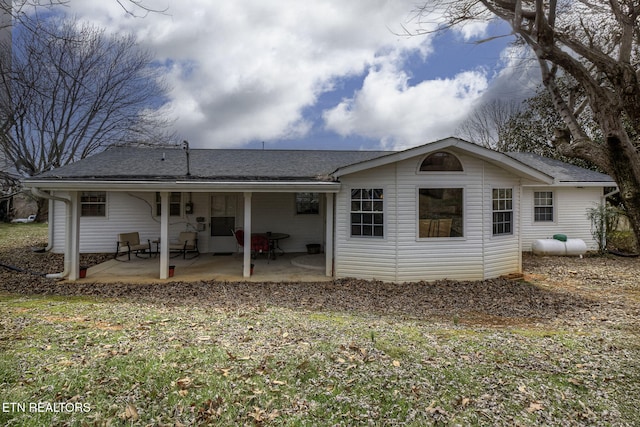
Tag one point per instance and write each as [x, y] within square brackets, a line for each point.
[294, 267]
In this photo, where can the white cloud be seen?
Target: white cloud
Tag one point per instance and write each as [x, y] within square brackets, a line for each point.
[246, 70]
[389, 109]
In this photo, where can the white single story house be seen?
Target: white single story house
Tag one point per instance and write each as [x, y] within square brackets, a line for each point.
[447, 209]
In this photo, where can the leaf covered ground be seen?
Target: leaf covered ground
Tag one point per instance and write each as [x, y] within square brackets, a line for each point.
[561, 347]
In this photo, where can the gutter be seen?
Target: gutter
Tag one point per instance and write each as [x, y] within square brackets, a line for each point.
[188, 185]
[67, 243]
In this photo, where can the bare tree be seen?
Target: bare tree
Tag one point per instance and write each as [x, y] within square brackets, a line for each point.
[597, 44]
[487, 123]
[71, 96]
[17, 8]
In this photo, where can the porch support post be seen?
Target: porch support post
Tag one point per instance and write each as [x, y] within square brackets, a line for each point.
[328, 244]
[74, 236]
[164, 235]
[246, 266]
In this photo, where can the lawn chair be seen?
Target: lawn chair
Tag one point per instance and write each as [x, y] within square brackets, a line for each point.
[187, 242]
[130, 242]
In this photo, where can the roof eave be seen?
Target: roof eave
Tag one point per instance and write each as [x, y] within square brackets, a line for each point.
[185, 185]
[578, 184]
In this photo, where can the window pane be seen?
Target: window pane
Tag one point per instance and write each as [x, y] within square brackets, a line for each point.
[543, 206]
[175, 204]
[364, 202]
[441, 161]
[307, 203]
[502, 211]
[93, 203]
[440, 212]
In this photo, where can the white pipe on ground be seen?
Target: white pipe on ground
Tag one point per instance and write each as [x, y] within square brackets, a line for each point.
[67, 243]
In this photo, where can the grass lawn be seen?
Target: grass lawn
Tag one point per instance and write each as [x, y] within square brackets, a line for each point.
[99, 361]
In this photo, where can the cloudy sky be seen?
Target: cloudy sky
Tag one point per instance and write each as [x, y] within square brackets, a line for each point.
[314, 73]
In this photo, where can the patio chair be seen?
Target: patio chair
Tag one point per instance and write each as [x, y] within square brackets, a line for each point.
[187, 242]
[259, 243]
[130, 242]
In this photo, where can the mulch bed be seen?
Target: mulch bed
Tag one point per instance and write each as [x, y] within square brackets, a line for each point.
[555, 289]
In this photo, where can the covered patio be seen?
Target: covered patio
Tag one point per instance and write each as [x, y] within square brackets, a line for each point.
[290, 267]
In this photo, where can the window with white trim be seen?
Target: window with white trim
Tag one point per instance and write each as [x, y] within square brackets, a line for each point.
[175, 204]
[441, 161]
[367, 212]
[543, 206]
[93, 203]
[502, 211]
[307, 203]
[440, 212]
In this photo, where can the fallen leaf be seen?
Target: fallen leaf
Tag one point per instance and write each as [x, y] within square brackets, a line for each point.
[131, 413]
[534, 407]
[184, 383]
[396, 363]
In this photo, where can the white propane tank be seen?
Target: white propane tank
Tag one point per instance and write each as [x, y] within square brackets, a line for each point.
[576, 247]
[556, 247]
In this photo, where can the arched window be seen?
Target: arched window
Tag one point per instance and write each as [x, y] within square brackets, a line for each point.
[441, 161]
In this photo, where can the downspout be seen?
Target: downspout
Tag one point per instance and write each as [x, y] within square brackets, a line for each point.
[67, 243]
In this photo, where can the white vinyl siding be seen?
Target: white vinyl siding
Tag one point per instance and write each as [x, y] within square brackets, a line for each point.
[366, 258]
[128, 212]
[402, 255]
[570, 210]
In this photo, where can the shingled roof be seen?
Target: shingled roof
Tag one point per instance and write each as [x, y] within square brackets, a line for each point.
[561, 171]
[165, 164]
[128, 163]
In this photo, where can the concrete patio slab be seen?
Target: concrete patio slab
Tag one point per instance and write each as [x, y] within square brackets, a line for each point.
[295, 267]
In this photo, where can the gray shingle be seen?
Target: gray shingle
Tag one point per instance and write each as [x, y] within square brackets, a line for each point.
[561, 171]
[127, 163]
[130, 163]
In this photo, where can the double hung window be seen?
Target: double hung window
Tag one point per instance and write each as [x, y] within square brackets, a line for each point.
[367, 212]
[93, 203]
[543, 206]
[502, 211]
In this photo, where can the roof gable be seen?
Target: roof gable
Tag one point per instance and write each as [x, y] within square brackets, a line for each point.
[454, 145]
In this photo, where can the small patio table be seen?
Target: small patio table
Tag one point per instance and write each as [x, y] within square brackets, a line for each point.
[274, 242]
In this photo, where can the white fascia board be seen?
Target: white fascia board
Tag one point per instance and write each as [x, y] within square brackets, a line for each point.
[576, 184]
[191, 186]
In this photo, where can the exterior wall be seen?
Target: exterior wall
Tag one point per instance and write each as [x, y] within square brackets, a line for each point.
[401, 255]
[127, 212]
[276, 212]
[570, 215]
[502, 253]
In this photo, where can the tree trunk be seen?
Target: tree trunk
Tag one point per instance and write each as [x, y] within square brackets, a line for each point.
[43, 210]
[624, 162]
